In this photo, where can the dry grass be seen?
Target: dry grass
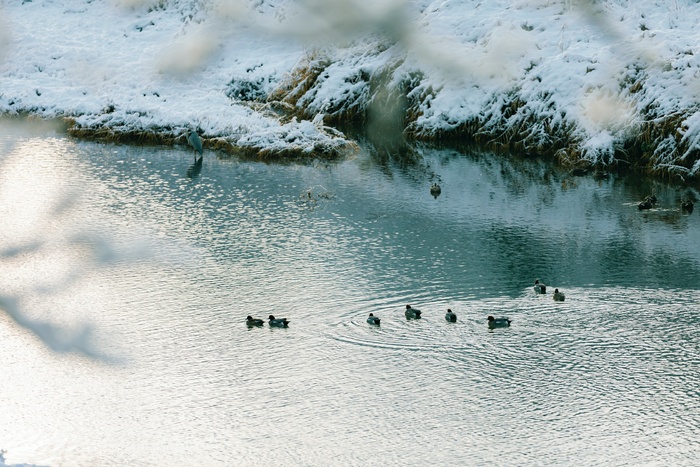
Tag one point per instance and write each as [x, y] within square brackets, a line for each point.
[295, 93]
[659, 149]
[299, 82]
[141, 137]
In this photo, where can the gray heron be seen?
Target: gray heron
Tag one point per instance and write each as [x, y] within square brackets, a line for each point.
[195, 141]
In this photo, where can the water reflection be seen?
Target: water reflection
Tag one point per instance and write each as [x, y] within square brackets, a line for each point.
[195, 169]
[324, 245]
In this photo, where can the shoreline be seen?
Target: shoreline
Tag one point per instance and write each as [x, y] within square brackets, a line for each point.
[592, 87]
[352, 136]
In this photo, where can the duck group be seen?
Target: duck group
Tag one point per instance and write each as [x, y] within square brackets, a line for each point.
[650, 201]
[271, 321]
[541, 289]
[412, 313]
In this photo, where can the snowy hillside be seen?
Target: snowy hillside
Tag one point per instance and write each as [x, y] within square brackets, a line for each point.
[600, 82]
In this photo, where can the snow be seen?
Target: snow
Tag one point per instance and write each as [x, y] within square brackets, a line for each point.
[4, 464]
[581, 75]
[144, 69]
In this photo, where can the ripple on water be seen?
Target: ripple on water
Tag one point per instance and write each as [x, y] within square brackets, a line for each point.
[609, 368]
[575, 372]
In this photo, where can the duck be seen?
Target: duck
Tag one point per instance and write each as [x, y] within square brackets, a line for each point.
[558, 296]
[435, 190]
[687, 206]
[371, 319]
[412, 313]
[450, 316]
[646, 204]
[278, 322]
[250, 321]
[540, 288]
[498, 322]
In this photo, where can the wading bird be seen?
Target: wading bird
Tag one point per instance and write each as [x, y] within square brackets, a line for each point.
[195, 141]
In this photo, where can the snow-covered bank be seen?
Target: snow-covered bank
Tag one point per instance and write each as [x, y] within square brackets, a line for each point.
[598, 82]
[586, 82]
[149, 71]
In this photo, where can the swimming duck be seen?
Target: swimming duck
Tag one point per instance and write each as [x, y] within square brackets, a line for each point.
[646, 204]
[412, 313]
[540, 288]
[558, 296]
[450, 316]
[687, 206]
[250, 321]
[498, 322]
[278, 322]
[371, 319]
[435, 190]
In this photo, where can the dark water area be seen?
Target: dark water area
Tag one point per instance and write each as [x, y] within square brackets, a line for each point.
[165, 264]
[525, 212]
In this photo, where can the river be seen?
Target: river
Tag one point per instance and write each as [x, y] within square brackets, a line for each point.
[155, 269]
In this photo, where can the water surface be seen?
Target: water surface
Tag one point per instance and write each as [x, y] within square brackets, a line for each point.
[164, 267]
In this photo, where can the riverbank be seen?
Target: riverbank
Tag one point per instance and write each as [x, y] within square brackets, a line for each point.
[604, 85]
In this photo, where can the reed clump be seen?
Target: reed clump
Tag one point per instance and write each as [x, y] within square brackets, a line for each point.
[298, 83]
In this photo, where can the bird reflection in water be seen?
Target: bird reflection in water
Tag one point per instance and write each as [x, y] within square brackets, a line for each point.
[195, 169]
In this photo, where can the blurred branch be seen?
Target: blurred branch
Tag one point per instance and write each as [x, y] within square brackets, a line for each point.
[57, 338]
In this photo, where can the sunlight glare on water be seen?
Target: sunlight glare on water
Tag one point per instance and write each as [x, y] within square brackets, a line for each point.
[164, 268]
